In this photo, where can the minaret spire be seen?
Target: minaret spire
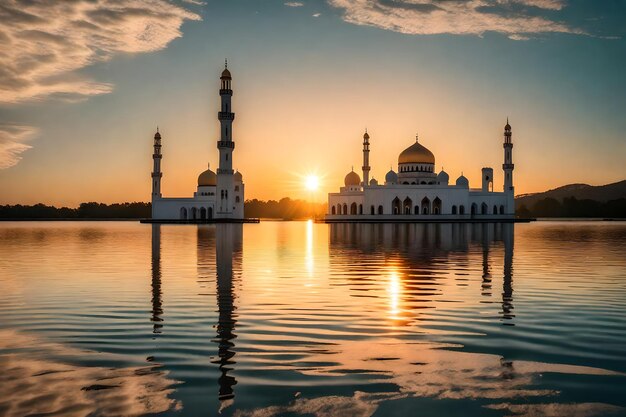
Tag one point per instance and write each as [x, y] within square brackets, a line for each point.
[508, 167]
[225, 183]
[156, 169]
[366, 158]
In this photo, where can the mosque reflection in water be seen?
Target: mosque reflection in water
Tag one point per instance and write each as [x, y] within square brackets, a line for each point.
[412, 246]
[424, 250]
[219, 251]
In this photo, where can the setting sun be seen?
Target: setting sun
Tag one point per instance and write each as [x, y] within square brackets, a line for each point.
[312, 182]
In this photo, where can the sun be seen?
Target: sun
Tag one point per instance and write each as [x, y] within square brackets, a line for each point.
[311, 182]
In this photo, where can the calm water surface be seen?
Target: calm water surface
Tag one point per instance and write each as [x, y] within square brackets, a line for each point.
[297, 318]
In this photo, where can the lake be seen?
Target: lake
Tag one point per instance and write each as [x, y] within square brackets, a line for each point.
[299, 318]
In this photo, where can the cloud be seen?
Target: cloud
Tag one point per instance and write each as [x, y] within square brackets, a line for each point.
[515, 18]
[46, 42]
[294, 4]
[12, 138]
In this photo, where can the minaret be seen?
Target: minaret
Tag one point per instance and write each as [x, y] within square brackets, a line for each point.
[226, 146]
[156, 169]
[508, 166]
[366, 159]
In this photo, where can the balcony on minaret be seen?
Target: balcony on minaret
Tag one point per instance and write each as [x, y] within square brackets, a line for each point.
[226, 91]
[226, 144]
[225, 115]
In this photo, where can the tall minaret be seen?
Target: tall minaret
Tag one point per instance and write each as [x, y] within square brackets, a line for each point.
[156, 169]
[366, 159]
[226, 146]
[508, 166]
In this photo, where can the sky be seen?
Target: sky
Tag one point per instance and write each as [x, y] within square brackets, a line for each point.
[85, 83]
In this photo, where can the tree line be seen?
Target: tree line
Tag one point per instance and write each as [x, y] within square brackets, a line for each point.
[573, 207]
[284, 208]
[289, 209]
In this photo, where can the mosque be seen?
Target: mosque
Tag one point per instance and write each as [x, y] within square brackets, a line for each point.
[219, 196]
[417, 193]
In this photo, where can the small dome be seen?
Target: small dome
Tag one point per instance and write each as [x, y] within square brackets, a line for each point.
[443, 177]
[416, 154]
[352, 179]
[207, 178]
[391, 177]
[238, 177]
[157, 135]
[366, 136]
[225, 74]
[373, 181]
[462, 182]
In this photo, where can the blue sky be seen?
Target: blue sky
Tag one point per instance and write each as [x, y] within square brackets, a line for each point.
[83, 86]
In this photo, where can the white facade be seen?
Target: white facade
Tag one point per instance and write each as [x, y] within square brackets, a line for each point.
[417, 193]
[219, 196]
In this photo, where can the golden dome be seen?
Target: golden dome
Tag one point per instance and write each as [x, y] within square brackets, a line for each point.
[416, 154]
[207, 178]
[352, 179]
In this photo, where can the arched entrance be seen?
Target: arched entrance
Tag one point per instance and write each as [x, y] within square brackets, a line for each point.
[183, 213]
[425, 205]
[436, 206]
[395, 206]
[353, 208]
[203, 213]
[407, 204]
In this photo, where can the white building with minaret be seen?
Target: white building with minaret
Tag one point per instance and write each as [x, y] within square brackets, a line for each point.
[219, 196]
[417, 193]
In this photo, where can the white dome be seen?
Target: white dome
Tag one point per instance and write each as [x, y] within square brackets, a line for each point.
[352, 179]
[373, 181]
[462, 182]
[238, 177]
[443, 177]
[391, 177]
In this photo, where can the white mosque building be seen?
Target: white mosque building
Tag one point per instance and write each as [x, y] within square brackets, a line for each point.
[417, 193]
[220, 196]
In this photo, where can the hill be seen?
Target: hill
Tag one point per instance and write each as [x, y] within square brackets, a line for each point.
[575, 200]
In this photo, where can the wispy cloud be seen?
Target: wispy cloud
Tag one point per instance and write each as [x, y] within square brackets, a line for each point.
[294, 4]
[518, 19]
[12, 143]
[46, 42]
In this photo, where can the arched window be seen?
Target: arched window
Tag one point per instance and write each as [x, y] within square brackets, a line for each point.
[436, 206]
[372, 210]
[501, 209]
[360, 208]
[338, 208]
[332, 210]
[453, 209]
[203, 213]
[183, 213]
[483, 208]
[495, 209]
[425, 205]
[461, 209]
[474, 209]
[210, 213]
[237, 199]
[353, 208]
[194, 213]
[396, 206]
[416, 210]
[380, 209]
[345, 208]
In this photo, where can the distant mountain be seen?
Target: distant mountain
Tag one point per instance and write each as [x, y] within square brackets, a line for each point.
[599, 193]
